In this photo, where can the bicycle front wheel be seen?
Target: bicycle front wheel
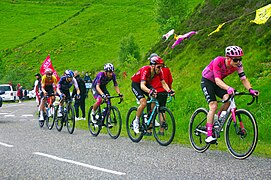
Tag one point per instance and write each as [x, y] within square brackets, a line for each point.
[94, 128]
[241, 137]
[164, 134]
[70, 119]
[58, 120]
[113, 122]
[131, 115]
[51, 119]
[197, 130]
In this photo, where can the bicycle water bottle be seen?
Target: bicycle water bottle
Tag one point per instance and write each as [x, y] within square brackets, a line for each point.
[216, 121]
[222, 116]
[145, 117]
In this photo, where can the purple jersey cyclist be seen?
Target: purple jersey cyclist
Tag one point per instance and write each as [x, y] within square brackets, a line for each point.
[99, 90]
[212, 83]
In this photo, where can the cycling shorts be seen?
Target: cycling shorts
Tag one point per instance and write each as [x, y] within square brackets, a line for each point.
[138, 92]
[96, 94]
[67, 93]
[49, 90]
[210, 90]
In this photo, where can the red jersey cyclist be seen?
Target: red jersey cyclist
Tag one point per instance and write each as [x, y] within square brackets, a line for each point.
[141, 85]
[212, 83]
[99, 89]
[48, 87]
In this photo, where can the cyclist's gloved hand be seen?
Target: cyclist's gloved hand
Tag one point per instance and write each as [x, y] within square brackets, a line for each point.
[152, 93]
[254, 92]
[230, 90]
[61, 96]
[121, 95]
[104, 96]
[171, 92]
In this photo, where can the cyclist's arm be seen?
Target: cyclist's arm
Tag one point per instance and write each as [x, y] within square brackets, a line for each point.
[165, 86]
[117, 89]
[246, 83]
[221, 84]
[144, 87]
[99, 89]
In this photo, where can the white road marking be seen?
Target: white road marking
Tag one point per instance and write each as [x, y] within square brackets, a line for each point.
[79, 163]
[27, 115]
[7, 145]
[9, 115]
[3, 113]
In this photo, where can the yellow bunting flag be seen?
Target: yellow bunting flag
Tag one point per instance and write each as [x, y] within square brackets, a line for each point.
[217, 29]
[262, 15]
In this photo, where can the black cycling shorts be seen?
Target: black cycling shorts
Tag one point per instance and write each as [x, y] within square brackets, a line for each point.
[49, 90]
[210, 90]
[138, 92]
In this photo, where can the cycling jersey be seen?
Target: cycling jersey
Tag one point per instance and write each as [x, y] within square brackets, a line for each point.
[156, 83]
[102, 80]
[144, 74]
[217, 69]
[45, 81]
[64, 85]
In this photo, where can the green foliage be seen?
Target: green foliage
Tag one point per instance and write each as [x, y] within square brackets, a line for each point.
[129, 49]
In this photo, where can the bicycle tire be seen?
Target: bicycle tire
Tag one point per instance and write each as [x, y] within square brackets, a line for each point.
[51, 120]
[58, 120]
[167, 123]
[198, 122]
[135, 137]
[241, 145]
[113, 122]
[70, 119]
[94, 128]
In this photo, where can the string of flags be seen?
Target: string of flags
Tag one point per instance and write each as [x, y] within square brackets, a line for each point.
[262, 16]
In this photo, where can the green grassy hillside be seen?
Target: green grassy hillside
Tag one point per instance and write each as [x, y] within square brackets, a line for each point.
[86, 35]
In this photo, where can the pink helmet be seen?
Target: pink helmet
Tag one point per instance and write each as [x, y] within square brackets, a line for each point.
[233, 51]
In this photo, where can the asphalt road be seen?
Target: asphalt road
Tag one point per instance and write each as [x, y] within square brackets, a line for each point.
[30, 152]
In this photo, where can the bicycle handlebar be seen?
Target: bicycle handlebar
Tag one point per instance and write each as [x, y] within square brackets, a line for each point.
[118, 96]
[154, 99]
[240, 94]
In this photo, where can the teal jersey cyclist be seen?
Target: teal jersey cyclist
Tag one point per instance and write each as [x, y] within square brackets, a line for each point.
[212, 83]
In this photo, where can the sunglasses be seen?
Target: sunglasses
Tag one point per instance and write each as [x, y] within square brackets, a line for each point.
[236, 59]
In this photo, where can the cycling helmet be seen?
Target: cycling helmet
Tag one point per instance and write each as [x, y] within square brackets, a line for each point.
[152, 55]
[48, 71]
[233, 51]
[156, 60]
[108, 67]
[69, 73]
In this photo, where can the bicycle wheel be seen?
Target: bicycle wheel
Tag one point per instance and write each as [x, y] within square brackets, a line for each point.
[197, 130]
[129, 126]
[113, 122]
[94, 128]
[58, 120]
[51, 119]
[241, 142]
[70, 119]
[164, 134]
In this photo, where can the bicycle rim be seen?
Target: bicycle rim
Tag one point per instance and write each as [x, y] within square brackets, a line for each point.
[58, 120]
[241, 142]
[135, 137]
[70, 119]
[196, 125]
[164, 134]
[113, 122]
[94, 129]
[51, 119]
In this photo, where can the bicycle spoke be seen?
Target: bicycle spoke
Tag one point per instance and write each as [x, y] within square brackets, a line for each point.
[114, 123]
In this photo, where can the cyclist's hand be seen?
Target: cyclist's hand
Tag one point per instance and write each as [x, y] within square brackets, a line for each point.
[254, 92]
[230, 91]
[171, 92]
[153, 93]
[121, 95]
[61, 96]
[77, 96]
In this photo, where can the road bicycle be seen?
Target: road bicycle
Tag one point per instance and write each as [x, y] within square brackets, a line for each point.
[68, 116]
[109, 116]
[164, 133]
[241, 131]
[48, 113]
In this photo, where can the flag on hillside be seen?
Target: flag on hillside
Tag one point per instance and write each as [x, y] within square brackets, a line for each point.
[180, 38]
[217, 29]
[262, 15]
[168, 34]
[48, 64]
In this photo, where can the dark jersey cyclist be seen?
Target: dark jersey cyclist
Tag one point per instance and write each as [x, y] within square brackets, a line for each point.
[212, 83]
[99, 89]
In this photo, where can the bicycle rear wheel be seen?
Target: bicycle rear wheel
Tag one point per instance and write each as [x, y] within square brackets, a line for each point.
[241, 142]
[197, 130]
[164, 134]
[58, 120]
[51, 119]
[113, 122]
[135, 137]
[70, 119]
[94, 128]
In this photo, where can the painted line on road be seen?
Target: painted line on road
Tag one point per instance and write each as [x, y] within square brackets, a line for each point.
[9, 115]
[3, 113]
[79, 163]
[27, 115]
[7, 145]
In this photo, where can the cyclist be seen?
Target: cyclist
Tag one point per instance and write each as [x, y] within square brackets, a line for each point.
[48, 87]
[141, 85]
[212, 83]
[99, 89]
[63, 88]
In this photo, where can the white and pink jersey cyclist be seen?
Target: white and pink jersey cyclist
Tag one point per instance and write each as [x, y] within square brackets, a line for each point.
[217, 69]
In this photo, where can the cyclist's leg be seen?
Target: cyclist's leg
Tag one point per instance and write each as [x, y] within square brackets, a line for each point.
[223, 95]
[162, 99]
[95, 106]
[41, 108]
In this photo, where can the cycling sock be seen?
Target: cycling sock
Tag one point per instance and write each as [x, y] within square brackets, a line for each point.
[218, 113]
[209, 127]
